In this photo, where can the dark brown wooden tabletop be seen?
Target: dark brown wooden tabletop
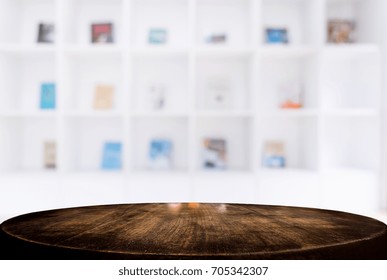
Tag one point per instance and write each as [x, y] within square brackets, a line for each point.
[193, 231]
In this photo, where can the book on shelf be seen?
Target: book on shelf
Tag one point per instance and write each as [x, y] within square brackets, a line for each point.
[157, 95]
[291, 95]
[157, 36]
[46, 33]
[214, 153]
[215, 37]
[218, 93]
[160, 154]
[274, 154]
[103, 97]
[47, 96]
[341, 31]
[112, 156]
[49, 154]
[102, 33]
[277, 35]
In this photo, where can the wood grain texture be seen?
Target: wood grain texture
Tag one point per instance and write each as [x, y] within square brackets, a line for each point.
[193, 231]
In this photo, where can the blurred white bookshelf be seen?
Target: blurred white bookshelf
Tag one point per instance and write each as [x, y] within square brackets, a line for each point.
[333, 144]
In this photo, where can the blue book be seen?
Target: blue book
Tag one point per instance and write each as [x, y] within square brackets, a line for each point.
[274, 162]
[157, 36]
[47, 96]
[274, 154]
[160, 152]
[112, 156]
[277, 36]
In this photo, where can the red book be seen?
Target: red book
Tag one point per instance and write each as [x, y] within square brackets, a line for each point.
[102, 33]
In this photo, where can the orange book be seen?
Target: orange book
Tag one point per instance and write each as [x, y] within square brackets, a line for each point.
[291, 94]
[291, 105]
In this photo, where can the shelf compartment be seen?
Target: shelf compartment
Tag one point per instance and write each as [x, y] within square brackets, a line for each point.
[22, 144]
[22, 76]
[293, 78]
[160, 84]
[235, 131]
[366, 14]
[84, 142]
[351, 143]
[350, 82]
[20, 19]
[296, 16]
[84, 73]
[229, 17]
[223, 77]
[81, 14]
[298, 136]
[146, 129]
[170, 15]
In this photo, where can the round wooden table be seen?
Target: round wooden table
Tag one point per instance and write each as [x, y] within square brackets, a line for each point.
[193, 231]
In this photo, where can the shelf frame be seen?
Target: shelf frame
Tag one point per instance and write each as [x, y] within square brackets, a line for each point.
[253, 50]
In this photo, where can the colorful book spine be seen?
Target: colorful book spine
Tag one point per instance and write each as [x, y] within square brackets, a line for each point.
[214, 153]
[112, 156]
[48, 96]
[160, 153]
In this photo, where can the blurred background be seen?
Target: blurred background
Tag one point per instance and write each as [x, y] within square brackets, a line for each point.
[246, 101]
